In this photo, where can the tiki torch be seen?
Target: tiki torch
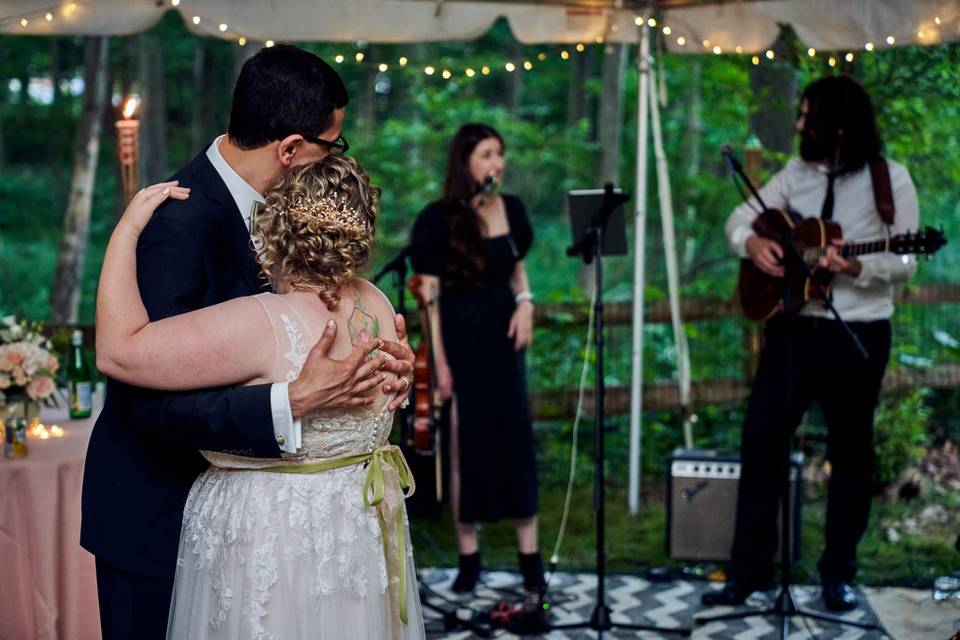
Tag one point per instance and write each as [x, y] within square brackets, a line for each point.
[128, 149]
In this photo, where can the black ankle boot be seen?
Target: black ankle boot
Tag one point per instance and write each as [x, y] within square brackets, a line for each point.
[531, 568]
[469, 572]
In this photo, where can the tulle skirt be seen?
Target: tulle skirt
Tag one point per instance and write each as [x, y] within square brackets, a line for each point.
[277, 555]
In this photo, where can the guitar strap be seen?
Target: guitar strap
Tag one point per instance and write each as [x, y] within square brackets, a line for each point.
[882, 191]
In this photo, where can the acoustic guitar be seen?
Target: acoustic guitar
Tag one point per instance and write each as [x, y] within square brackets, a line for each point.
[762, 295]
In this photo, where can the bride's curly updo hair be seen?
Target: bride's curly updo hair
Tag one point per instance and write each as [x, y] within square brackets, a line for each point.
[317, 227]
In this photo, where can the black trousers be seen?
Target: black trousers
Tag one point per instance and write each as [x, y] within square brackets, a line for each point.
[131, 605]
[803, 360]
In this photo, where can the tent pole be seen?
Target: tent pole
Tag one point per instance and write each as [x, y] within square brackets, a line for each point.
[640, 232]
[673, 272]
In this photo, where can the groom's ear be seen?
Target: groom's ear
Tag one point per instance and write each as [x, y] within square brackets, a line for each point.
[288, 148]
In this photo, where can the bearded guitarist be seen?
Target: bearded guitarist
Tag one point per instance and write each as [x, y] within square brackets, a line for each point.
[839, 176]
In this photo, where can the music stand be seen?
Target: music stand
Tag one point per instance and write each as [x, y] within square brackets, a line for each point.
[597, 223]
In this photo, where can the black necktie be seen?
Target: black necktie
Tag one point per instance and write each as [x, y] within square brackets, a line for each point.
[826, 211]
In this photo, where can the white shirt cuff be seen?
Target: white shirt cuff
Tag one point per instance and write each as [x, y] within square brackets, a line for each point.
[739, 239]
[286, 428]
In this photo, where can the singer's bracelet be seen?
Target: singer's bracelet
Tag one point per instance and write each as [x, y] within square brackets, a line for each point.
[524, 296]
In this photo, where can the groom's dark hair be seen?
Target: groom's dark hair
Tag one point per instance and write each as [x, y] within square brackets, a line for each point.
[283, 90]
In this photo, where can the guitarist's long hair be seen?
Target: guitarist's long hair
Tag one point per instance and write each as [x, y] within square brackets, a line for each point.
[840, 126]
[465, 257]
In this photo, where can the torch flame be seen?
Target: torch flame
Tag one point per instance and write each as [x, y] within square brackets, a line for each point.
[129, 106]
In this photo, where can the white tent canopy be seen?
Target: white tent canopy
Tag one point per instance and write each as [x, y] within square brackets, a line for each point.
[743, 26]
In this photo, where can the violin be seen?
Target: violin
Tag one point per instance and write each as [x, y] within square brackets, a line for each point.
[423, 428]
[427, 404]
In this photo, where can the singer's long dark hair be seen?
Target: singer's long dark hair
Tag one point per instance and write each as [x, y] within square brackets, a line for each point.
[465, 257]
[838, 104]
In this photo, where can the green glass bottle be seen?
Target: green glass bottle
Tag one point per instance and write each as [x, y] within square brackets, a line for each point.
[79, 379]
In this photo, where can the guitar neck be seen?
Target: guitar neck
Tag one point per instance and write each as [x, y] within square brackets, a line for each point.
[862, 248]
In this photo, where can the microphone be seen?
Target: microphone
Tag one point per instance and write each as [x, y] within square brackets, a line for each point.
[732, 162]
[489, 183]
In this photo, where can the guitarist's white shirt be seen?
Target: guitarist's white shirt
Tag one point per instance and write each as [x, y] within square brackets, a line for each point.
[802, 187]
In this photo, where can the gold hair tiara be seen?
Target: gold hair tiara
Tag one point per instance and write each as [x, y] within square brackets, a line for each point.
[330, 210]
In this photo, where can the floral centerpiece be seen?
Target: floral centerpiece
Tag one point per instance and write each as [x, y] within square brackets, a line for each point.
[27, 366]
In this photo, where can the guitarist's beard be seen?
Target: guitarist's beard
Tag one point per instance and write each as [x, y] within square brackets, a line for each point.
[816, 149]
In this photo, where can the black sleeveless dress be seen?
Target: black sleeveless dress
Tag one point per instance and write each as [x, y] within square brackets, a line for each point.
[497, 459]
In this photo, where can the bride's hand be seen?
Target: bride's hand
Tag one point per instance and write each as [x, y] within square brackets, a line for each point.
[145, 202]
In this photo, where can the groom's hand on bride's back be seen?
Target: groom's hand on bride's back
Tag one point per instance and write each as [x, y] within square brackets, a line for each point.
[331, 383]
[401, 365]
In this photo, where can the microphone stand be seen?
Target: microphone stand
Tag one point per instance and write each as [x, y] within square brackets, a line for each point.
[785, 606]
[590, 248]
[398, 266]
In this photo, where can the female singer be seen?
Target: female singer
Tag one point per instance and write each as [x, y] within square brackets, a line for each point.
[470, 246]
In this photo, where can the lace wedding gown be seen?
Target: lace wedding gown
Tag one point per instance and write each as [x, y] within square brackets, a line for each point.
[270, 554]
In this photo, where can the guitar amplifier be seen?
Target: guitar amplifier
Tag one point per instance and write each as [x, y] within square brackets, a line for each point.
[702, 504]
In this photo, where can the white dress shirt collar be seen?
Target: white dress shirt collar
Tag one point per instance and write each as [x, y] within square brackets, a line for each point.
[243, 194]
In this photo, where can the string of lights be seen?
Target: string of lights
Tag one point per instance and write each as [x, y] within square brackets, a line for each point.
[927, 33]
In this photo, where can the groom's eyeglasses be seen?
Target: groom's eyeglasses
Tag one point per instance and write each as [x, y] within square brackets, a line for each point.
[340, 144]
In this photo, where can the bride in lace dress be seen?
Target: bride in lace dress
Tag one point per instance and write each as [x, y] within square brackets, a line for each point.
[313, 544]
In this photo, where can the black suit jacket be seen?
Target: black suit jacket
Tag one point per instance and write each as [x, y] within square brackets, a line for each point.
[143, 454]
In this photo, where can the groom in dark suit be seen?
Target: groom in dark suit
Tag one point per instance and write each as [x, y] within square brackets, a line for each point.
[288, 109]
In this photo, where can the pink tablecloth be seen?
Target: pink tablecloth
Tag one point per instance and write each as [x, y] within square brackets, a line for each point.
[48, 589]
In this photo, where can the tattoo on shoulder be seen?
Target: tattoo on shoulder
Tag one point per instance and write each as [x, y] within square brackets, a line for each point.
[363, 325]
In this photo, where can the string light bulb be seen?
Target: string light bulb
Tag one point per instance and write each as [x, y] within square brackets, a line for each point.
[848, 57]
[196, 19]
[638, 21]
[541, 56]
[681, 41]
[755, 60]
[580, 47]
[470, 72]
[510, 67]
[24, 22]
[667, 31]
[359, 56]
[937, 20]
[242, 41]
[706, 44]
[599, 40]
[402, 61]
[832, 61]
[891, 40]
[48, 17]
[770, 54]
[338, 58]
[222, 26]
[269, 43]
[717, 50]
[527, 65]
[652, 22]
[175, 3]
[446, 74]
[811, 52]
[485, 70]
[429, 70]
[564, 55]
[383, 67]
[868, 46]
[739, 49]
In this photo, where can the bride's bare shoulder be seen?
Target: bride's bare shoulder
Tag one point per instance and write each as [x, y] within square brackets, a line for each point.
[378, 305]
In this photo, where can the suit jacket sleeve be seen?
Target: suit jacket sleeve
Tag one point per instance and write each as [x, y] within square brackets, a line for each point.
[171, 276]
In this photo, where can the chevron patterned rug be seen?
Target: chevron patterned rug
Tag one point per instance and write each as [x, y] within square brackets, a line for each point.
[632, 600]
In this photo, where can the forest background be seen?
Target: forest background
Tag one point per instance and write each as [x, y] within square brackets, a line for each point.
[569, 122]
